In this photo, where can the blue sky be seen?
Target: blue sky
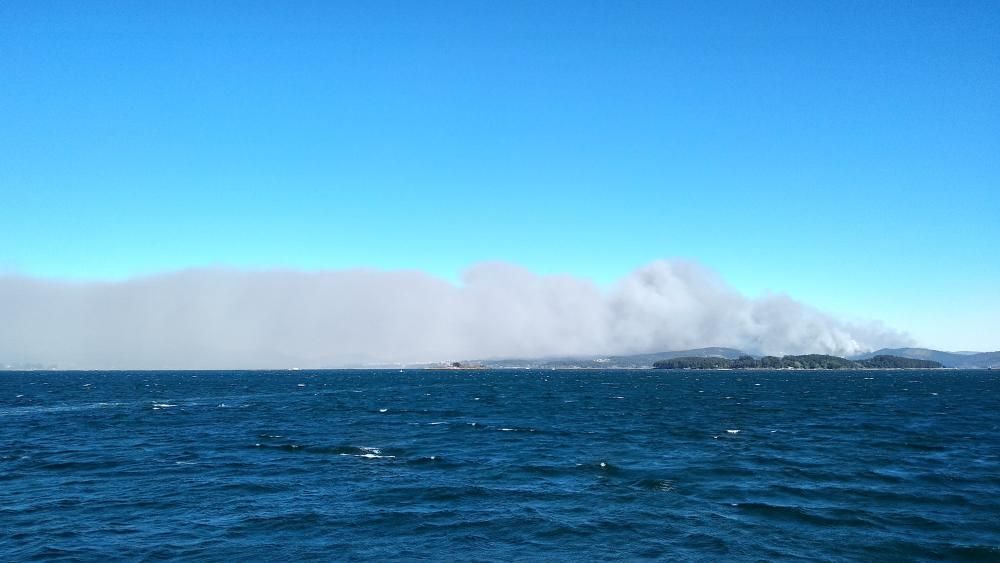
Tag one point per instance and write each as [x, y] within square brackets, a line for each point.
[845, 153]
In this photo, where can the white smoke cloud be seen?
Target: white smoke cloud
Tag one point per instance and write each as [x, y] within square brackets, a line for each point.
[223, 318]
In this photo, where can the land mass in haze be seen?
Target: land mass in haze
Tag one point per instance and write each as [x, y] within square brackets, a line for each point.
[807, 361]
[959, 360]
[704, 358]
[633, 361]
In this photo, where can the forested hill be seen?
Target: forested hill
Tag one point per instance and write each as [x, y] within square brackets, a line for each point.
[636, 361]
[809, 361]
[961, 360]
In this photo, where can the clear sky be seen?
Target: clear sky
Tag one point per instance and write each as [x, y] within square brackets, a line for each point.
[847, 153]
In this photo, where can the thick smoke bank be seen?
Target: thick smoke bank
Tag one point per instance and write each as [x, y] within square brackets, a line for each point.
[220, 318]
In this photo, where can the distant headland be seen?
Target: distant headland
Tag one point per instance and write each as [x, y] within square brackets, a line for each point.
[724, 358]
[807, 361]
[699, 358]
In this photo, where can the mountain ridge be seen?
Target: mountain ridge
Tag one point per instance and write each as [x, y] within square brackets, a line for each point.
[959, 360]
[621, 361]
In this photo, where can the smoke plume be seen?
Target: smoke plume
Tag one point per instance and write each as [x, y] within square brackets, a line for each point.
[225, 318]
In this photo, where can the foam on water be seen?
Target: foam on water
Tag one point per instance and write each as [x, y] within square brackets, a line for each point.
[852, 467]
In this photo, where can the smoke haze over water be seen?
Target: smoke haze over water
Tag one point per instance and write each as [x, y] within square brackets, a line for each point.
[225, 318]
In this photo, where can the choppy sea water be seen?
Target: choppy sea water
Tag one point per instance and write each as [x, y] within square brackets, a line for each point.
[500, 465]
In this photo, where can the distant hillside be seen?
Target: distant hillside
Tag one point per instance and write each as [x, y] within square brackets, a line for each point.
[634, 361]
[961, 360]
[807, 361]
[964, 360]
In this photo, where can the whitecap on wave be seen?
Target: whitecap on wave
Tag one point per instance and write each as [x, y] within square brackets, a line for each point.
[370, 453]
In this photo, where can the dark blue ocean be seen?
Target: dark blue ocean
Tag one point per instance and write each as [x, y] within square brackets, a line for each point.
[500, 465]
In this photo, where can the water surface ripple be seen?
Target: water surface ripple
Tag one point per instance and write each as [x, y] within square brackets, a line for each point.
[500, 465]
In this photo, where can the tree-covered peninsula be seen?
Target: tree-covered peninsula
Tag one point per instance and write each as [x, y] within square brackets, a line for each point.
[808, 361]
